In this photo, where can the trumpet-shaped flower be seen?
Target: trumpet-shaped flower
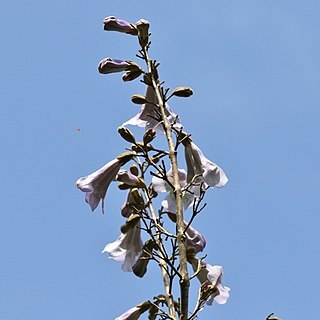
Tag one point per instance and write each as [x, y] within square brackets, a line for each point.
[212, 275]
[135, 312]
[195, 240]
[126, 248]
[113, 24]
[169, 203]
[109, 65]
[199, 165]
[96, 184]
[149, 115]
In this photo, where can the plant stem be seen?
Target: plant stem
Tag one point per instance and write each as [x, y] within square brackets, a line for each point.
[184, 281]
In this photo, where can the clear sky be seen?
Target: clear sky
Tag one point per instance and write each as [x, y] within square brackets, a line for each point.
[255, 70]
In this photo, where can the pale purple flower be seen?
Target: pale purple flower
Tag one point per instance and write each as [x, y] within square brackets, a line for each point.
[96, 184]
[126, 248]
[199, 165]
[126, 209]
[130, 179]
[113, 24]
[109, 65]
[195, 239]
[213, 275]
[131, 314]
[135, 312]
[149, 114]
[169, 203]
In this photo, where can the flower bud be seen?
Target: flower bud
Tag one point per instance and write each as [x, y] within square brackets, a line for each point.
[143, 32]
[126, 134]
[131, 75]
[139, 99]
[139, 147]
[125, 157]
[113, 24]
[140, 267]
[134, 170]
[130, 223]
[123, 186]
[130, 179]
[149, 135]
[137, 198]
[184, 92]
[109, 65]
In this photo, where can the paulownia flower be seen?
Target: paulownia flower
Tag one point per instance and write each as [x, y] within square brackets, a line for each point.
[149, 115]
[126, 248]
[199, 165]
[109, 65]
[130, 179]
[169, 203]
[135, 312]
[96, 184]
[212, 275]
[113, 24]
[195, 239]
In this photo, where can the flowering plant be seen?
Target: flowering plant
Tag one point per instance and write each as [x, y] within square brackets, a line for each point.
[185, 190]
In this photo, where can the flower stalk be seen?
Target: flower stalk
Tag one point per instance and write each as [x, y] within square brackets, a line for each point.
[180, 226]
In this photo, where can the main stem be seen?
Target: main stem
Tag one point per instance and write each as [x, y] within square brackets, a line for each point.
[184, 281]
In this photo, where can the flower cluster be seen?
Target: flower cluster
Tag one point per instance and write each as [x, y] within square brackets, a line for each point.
[184, 189]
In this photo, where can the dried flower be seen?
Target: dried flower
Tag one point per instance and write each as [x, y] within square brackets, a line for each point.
[113, 24]
[126, 248]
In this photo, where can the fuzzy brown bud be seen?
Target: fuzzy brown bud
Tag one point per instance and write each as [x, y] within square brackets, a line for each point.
[140, 267]
[126, 134]
[134, 170]
[138, 199]
[143, 32]
[139, 99]
[125, 157]
[130, 223]
[131, 75]
[184, 92]
[149, 135]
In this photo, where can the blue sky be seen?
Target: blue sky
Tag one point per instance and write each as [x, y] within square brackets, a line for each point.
[255, 70]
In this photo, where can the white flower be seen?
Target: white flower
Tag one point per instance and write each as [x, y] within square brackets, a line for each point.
[126, 248]
[169, 203]
[198, 164]
[149, 114]
[212, 275]
[96, 184]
